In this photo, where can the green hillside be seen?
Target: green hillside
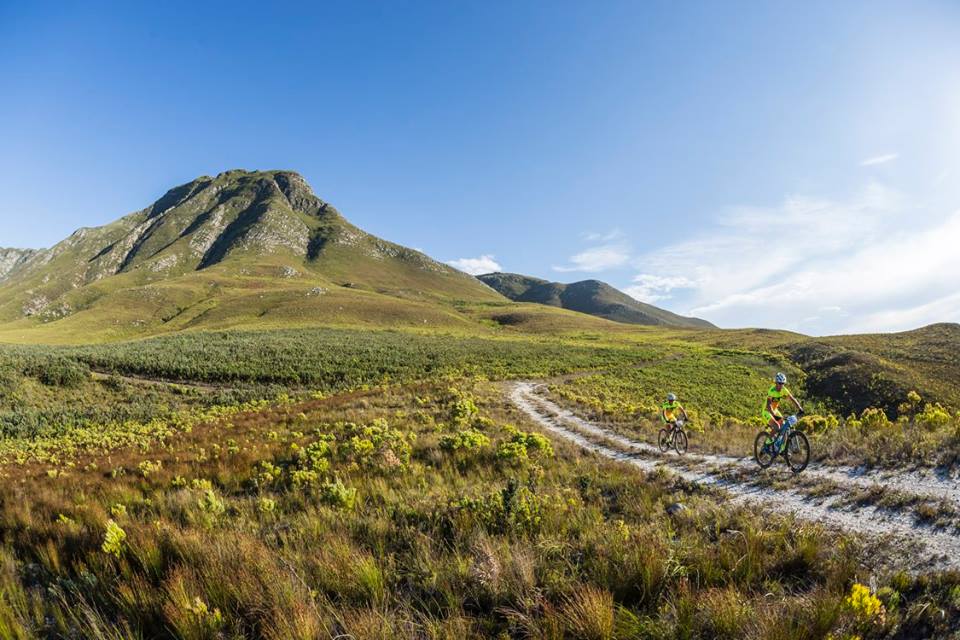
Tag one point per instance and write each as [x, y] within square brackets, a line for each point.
[588, 296]
[878, 370]
[854, 372]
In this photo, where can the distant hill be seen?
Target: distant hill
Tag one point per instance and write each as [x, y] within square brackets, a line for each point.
[877, 370]
[242, 248]
[588, 296]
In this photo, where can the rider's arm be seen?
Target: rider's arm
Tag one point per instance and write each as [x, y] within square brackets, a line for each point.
[686, 418]
[796, 402]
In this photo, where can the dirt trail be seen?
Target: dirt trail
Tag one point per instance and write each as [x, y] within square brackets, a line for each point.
[928, 484]
[940, 547]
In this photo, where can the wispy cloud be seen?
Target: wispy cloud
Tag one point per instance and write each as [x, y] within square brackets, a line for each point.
[596, 259]
[881, 159]
[647, 287]
[816, 265]
[476, 266]
[609, 236]
[611, 251]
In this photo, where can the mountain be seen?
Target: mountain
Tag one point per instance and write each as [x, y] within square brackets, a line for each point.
[12, 259]
[244, 247]
[588, 296]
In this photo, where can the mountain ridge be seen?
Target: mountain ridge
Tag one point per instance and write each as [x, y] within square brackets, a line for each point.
[593, 297]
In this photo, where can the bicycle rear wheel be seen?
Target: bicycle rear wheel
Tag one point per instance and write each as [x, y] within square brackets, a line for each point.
[680, 441]
[763, 452]
[663, 440]
[797, 451]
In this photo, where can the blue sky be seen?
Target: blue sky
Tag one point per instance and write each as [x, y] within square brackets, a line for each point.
[779, 164]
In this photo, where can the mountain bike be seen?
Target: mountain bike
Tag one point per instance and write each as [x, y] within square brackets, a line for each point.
[673, 438]
[790, 442]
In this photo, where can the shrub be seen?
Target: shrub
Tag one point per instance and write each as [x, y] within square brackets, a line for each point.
[336, 494]
[865, 608]
[210, 503]
[201, 484]
[464, 440]
[464, 411]
[114, 540]
[302, 478]
[872, 419]
[360, 448]
[511, 451]
[521, 444]
[538, 442]
[933, 416]
[818, 424]
[146, 467]
[269, 473]
[61, 372]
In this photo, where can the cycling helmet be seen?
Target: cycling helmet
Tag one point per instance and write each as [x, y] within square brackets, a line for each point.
[781, 378]
[671, 397]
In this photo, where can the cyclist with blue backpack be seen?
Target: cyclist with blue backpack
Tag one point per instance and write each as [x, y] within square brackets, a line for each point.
[781, 437]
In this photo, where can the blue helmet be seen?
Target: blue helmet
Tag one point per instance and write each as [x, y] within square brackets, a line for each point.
[781, 378]
[671, 397]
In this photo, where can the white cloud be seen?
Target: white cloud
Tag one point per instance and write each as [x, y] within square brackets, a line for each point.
[647, 287]
[872, 262]
[601, 258]
[610, 236]
[476, 266]
[881, 159]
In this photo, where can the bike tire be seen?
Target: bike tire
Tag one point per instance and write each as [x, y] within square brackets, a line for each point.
[663, 440]
[763, 455]
[680, 441]
[797, 451]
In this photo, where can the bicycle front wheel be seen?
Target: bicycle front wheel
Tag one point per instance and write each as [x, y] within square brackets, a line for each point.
[680, 441]
[763, 451]
[797, 452]
[663, 440]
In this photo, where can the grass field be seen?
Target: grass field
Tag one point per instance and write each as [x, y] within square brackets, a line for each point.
[413, 511]
[378, 484]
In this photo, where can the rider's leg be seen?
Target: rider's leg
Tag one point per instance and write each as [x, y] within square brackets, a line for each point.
[773, 425]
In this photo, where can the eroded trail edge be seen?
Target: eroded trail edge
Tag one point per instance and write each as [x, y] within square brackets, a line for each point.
[923, 546]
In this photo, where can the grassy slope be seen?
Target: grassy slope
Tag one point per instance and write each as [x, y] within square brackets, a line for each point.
[859, 371]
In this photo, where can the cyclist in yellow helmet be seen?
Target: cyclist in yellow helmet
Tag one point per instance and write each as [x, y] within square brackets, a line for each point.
[771, 409]
[670, 408]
